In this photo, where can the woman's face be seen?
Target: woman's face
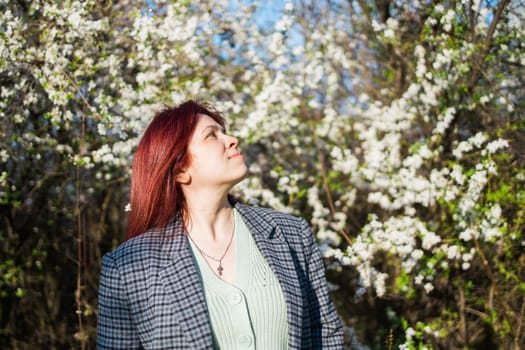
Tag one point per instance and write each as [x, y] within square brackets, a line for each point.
[215, 160]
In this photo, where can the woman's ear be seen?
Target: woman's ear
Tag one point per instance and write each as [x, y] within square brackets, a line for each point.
[183, 178]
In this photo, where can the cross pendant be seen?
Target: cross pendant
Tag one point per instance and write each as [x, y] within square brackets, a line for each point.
[219, 269]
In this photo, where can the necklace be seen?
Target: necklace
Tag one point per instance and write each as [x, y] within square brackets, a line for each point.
[219, 268]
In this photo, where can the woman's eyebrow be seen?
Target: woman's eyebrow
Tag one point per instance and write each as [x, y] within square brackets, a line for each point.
[214, 128]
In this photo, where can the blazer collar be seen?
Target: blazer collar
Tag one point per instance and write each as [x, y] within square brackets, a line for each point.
[258, 222]
[184, 287]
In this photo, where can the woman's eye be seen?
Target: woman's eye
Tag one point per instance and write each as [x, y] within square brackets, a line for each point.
[212, 134]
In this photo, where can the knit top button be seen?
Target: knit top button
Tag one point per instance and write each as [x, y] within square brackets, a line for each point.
[245, 340]
[235, 298]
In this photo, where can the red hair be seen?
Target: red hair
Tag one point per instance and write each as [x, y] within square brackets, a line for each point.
[156, 196]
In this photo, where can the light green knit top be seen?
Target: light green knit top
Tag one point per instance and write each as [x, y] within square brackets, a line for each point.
[251, 312]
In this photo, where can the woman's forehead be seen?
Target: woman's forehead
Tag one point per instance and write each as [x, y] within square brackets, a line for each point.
[205, 121]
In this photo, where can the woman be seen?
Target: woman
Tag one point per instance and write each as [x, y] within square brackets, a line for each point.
[200, 270]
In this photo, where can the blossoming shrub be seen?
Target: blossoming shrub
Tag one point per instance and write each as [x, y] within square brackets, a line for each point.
[394, 128]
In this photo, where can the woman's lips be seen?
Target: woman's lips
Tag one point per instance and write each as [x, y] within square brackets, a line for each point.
[236, 155]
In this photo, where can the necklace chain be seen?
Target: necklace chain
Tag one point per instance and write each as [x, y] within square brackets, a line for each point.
[219, 268]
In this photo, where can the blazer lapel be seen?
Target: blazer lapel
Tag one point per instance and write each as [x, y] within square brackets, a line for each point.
[278, 254]
[184, 288]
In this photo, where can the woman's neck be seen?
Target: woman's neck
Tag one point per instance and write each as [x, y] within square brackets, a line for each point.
[209, 216]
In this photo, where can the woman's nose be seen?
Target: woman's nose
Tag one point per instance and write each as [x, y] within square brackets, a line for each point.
[231, 141]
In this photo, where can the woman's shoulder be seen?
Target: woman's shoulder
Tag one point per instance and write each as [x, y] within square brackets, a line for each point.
[271, 216]
[142, 247]
[265, 211]
[268, 222]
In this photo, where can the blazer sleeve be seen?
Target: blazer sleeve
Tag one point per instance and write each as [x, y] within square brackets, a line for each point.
[327, 327]
[115, 328]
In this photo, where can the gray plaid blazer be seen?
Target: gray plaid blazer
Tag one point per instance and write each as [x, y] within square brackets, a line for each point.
[151, 297]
